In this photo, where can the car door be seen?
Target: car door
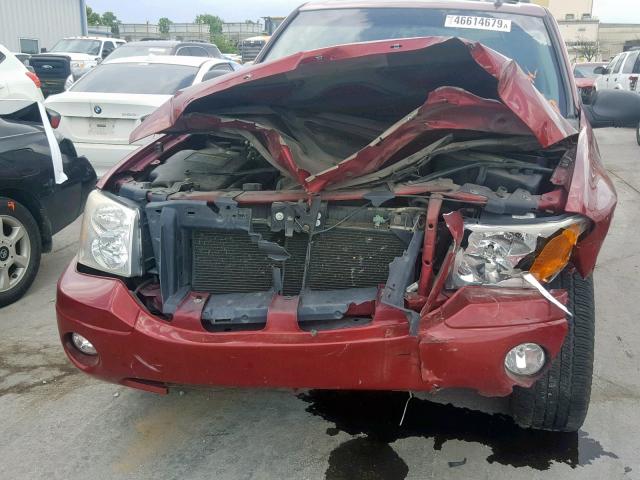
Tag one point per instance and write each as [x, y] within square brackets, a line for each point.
[634, 81]
[602, 80]
[626, 76]
[614, 78]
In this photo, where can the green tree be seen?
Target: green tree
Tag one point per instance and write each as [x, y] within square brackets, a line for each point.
[214, 22]
[93, 18]
[163, 25]
[109, 19]
[224, 44]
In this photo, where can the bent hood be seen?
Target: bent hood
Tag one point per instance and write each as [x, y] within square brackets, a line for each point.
[341, 112]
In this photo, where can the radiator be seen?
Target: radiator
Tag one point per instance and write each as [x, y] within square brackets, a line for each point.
[228, 262]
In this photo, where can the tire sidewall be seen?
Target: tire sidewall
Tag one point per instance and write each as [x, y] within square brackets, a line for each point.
[13, 208]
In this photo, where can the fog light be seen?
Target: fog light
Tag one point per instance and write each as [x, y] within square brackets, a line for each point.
[82, 344]
[525, 359]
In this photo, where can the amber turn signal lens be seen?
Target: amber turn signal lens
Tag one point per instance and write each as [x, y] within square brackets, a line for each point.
[555, 254]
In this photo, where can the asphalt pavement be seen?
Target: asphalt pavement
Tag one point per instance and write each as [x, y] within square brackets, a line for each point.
[56, 423]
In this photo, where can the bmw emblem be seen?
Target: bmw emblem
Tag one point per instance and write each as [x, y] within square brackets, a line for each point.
[97, 109]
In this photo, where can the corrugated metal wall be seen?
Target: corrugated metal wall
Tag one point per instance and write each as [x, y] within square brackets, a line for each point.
[45, 20]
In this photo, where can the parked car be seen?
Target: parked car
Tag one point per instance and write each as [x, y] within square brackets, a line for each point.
[585, 76]
[621, 73]
[367, 207]
[16, 81]
[99, 111]
[33, 207]
[167, 47]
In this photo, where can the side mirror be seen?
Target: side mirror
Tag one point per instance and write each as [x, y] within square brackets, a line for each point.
[43, 50]
[613, 108]
[600, 70]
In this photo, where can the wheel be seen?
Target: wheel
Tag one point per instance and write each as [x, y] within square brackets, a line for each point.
[638, 134]
[20, 250]
[559, 400]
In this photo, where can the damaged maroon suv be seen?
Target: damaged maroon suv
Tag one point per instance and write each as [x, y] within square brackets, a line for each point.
[395, 196]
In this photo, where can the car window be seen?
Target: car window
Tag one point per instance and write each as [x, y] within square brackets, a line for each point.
[139, 51]
[217, 71]
[78, 45]
[199, 52]
[618, 65]
[215, 51]
[527, 40]
[107, 48]
[138, 78]
[2, 57]
[192, 52]
[630, 62]
[612, 64]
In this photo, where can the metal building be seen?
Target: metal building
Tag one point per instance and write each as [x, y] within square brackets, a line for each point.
[31, 25]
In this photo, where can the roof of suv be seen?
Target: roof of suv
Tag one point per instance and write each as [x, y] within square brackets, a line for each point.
[508, 7]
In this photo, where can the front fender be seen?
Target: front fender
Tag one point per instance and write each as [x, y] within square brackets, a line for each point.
[592, 194]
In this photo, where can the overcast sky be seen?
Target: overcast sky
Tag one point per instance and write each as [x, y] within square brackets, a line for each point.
[140, 11]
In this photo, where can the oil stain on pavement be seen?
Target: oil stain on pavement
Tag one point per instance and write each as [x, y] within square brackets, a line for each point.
[374, 417]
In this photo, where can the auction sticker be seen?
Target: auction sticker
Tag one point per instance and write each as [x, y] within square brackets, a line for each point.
[478, 23]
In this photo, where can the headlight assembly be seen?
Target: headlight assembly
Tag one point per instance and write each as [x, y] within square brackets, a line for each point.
[498, 254]
[110, 236]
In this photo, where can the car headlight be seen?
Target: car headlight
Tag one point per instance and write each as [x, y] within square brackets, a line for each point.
[110, 237]
[498, 254]
[79, 67]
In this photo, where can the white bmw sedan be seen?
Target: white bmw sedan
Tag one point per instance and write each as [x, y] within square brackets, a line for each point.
[102, 108]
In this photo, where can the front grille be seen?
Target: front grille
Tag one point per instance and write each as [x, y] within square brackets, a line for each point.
[227, 262]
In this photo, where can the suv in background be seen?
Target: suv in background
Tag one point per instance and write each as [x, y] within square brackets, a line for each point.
[622, 73]
[83, 54]
[167, 47]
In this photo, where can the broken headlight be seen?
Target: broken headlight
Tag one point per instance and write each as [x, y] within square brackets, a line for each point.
[498, 254]
[110, 236]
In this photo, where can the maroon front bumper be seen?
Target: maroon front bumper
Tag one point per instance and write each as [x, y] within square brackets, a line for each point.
[461, 344]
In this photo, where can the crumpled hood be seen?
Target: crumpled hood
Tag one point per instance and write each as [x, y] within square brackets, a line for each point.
[381, 96]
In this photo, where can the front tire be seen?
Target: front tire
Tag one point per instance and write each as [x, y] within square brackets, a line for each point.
[20, 250]
[559, 400]
[638, 134]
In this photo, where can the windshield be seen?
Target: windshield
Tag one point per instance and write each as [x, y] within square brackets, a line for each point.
[78, 45]
[585, 71]
[139, 51]
[522, 38]
[142, 78]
